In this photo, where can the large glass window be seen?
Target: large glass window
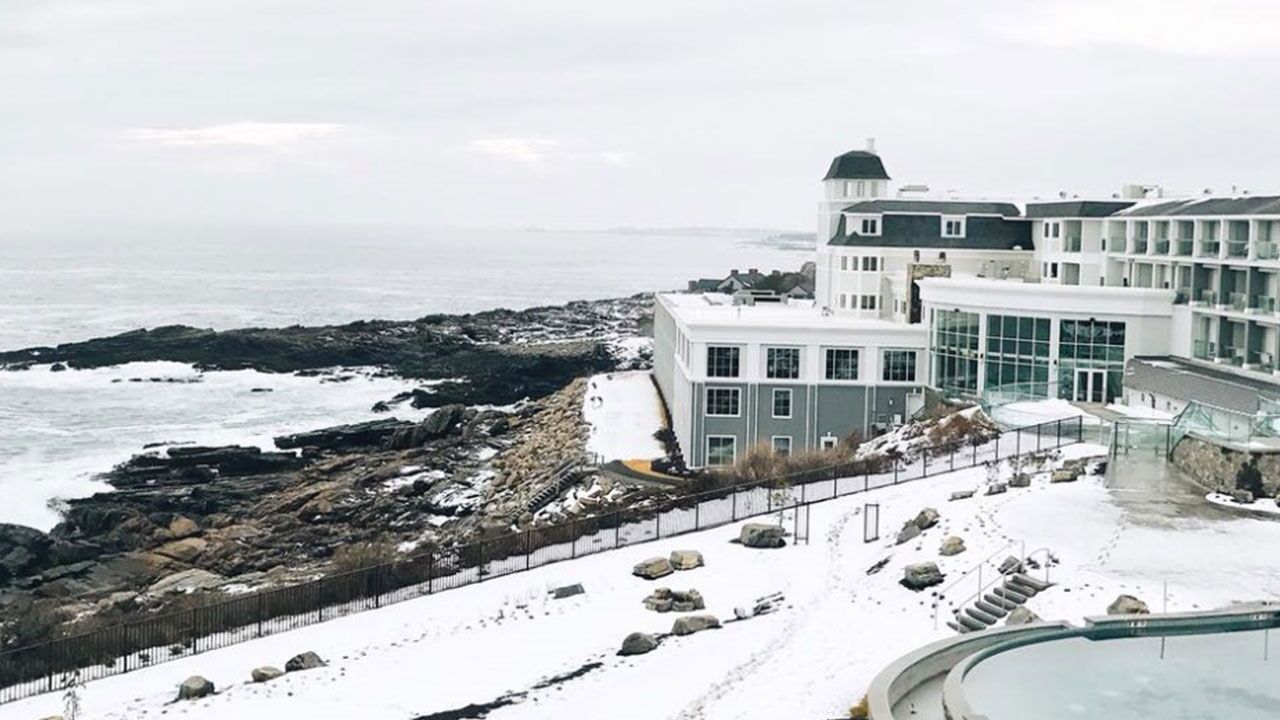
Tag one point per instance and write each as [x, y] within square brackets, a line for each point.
[782, 444]
[1090, 344]
[955, 351]
[721, 449]
[842, 364]
[723, 402]
[782, 363]
[1018, 355]
[722, 362]
[782, 403]
[899, 366]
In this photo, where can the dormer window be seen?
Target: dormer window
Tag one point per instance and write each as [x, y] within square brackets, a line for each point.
[952, 227]
[870, 226]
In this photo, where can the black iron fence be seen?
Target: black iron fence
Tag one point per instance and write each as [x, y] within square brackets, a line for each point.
[120, 648]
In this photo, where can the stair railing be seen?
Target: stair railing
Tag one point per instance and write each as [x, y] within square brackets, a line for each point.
[992, 579]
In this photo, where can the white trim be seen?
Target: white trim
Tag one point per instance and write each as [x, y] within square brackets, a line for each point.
[952, 219]
[773, 443]
[823, 377]
[764, 351]
[707, 455]
[773, 404]
[828, 442]
[706, 401]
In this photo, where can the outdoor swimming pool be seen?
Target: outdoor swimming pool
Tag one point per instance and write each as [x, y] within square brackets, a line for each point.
[1198, 677]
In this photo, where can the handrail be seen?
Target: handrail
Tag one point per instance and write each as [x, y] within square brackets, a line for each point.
[982, 587]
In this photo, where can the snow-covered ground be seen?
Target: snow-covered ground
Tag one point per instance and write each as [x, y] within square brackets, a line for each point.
[1261, 505]
[1138, 411]
[624, 412]
[812, 658]
[1032, 412]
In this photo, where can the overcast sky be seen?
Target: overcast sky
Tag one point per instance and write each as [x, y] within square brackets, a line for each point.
[599, 113]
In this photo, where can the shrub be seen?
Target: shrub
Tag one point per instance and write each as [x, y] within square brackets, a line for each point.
[358, 556]
[1248, 477]
[860, 711]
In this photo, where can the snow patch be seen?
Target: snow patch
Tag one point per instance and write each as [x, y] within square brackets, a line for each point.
[624, 411]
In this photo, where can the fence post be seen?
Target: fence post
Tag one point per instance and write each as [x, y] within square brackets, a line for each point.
[953, 457]
[617, 528]
[1038, 437]
[431, 572]
[1058, 430]
[735, 503]
[480, 567]
[895, 471]
[997, 457]
[697, 514]
[925, 455]
[657, 524]
[1017, 441]
[377, 586]
[261, 616]
[573, 538]
[528, 553]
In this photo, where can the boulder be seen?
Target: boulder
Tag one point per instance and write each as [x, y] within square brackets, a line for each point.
[181, 528]
[961, 495]
[343, 437]
[1128, 605]
[760, 535]
[22, 550]
[304, 661]
[741, 613]
[183, 550]
[567, 591]
[653, 568]
[686, 559]
[122, 600]
[194, 687]
[265, 673]
[1244, 497]
[1010, 564]
[1064, 475]
[1020, 480]
[186, 581]
[926, 518]
[909, 532]
[440, 423]
[638, 643]
[1021, 616]
[667, 600]
[921, 575]
[690, 624]
[997, 488]
[951, 546]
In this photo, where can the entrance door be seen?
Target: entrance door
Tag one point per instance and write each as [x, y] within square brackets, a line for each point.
[1091, 386]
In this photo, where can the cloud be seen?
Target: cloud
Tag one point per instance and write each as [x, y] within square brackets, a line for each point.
[536, 152]
[239, 134]
[1183, 27]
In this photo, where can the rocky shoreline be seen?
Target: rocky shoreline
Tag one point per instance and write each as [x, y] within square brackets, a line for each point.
[187, 522]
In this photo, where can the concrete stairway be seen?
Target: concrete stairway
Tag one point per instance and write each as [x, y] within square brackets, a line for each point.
[1014, 590]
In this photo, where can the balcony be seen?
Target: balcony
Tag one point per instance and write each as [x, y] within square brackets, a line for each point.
[1162, 247]
[1260, 361]
[1139, 246]
[1231, 356]
[1238, 301]
[1209, 248]
[1204, 349]
[1207, 298]
[1238, 249]
[1182, 296]
[1259, 304]
[1268, 251]
[1115, 245]
[1184, 247]
[1071, 244]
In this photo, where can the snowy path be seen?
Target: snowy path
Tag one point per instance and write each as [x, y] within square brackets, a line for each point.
[812, 658]
[624, 411]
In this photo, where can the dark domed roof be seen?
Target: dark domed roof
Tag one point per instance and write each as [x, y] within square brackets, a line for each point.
[857, 165]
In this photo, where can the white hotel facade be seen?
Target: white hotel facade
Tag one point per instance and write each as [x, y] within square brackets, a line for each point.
[975, 299]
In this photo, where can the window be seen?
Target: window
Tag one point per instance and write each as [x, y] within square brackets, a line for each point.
[848, 188]
[862, 188]
[844, 262]
[868, 302]
[1018, 354]
[842, 364]
[1057, 229]
[782, 445]
[782, 363]
[952, 227]
[955, 352]
[1053, 270]
[844, 300]
[722, 362]
[899, 366]
[870, 226]
[828, 442]
[722, 402]
[870, 264]
[782, 403]
[721, 449]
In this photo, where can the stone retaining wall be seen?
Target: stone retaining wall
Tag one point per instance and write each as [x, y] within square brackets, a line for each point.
[1217, 467]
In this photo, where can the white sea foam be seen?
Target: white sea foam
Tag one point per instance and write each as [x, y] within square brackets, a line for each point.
[58, 429]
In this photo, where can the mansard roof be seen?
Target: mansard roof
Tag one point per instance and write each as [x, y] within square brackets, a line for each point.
[935, 207]
[857, 165]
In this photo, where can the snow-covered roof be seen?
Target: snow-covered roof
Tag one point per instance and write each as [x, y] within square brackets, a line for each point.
[716, 310]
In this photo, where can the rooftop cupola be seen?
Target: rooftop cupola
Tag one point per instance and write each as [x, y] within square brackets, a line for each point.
[858, 165]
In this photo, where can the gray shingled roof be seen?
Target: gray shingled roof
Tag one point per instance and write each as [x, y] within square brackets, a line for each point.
[935, 207]
[1268, 205]
[1077, 208]
[983, 232]
[857, 165]
[1181, 379]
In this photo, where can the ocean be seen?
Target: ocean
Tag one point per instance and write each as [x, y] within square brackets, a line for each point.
[58, 429]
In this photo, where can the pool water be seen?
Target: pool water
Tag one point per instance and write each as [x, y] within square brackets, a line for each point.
[1199, 677]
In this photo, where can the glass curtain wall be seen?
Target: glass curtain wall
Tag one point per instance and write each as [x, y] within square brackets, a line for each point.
[1017, 357]
[955, 352]
[1091, 360]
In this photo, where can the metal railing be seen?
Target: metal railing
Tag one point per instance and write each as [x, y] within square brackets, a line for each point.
[1071, 244]
[1162, 247]
[128, 646]
[1209, 248]
[1268, 251]
[1237, 248]
[1184, 247]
